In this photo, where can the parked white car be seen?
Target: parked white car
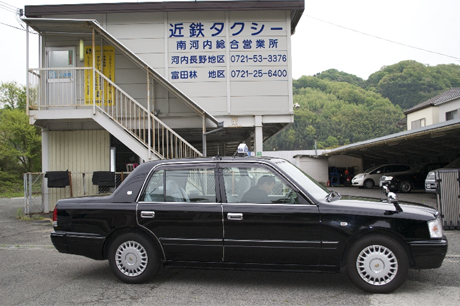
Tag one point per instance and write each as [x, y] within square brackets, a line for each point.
[430, 181]
[371, 177]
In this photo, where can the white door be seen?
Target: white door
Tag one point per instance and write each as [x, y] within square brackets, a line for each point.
[61, 80]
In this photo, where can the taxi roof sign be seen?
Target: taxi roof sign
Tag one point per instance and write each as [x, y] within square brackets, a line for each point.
[243, 150]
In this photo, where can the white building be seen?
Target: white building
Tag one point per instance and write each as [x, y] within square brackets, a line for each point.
[443, 107]
[174, 79]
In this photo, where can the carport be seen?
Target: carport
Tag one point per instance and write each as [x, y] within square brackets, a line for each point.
[435, 143]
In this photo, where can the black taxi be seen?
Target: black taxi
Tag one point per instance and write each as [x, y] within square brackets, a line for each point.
[247, 213]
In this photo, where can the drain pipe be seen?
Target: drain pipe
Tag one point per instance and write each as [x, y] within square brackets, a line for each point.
[220, 126]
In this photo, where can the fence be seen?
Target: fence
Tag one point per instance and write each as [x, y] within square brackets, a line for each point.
[38, 198]
[33, 191]
[448, 197]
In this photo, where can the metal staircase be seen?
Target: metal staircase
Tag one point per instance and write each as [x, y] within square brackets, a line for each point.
[112, 108]
[144, 126]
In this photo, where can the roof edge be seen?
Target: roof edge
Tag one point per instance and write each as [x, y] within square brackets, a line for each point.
[444, 97]
[296, 6]
[394, 137]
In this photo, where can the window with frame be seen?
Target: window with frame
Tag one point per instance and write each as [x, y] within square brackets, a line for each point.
[181, 185]
[256, 185]
[418, 123]
[452, 115]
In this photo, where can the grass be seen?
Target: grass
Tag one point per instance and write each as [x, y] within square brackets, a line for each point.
[11, 189]
[16, 190]
[11, 194]
[21, 216]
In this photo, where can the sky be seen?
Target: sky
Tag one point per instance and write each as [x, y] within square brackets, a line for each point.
[355, 36]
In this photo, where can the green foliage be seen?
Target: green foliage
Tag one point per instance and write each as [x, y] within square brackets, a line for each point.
[340, 76]
[337, 108]
[12, 96]
[20, 142]
[335, 114]
[21, 216]
[409, 83]
[11, 185]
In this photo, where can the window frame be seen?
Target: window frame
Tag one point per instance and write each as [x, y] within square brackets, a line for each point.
[454, 114]
[419, 123]
[179, 167]
[273, 170]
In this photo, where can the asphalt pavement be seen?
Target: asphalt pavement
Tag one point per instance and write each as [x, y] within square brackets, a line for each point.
[34, 273]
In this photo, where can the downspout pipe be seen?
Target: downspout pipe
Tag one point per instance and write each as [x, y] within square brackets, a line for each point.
[220, 127]
[27, 70]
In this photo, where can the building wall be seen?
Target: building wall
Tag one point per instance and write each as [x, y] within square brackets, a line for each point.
[354, 164]
[447, 107]
[240, 86]
[316, 167]
[290, 155]
[253, 81]
[79, 152]
[430, 114]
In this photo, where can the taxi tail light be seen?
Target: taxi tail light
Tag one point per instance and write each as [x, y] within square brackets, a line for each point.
[55, 215]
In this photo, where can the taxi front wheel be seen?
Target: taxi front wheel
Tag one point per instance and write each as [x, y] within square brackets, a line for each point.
[377, 264]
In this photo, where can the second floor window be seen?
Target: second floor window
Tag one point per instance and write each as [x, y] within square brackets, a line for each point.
[418, 123]
[452, 115]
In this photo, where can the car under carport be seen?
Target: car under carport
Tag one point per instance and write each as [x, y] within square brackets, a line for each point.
[434, 143]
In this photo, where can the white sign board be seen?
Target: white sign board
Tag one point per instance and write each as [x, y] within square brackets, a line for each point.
[213, 50]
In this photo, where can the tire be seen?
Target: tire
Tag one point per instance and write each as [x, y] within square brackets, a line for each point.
[133, 259]
[405, 186]
[368, 184]
[377, 264]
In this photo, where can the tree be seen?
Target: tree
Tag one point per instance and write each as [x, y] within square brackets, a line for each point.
[340, 76]
[409, 83]
[335, 113]
[20, 142]
[12, 96]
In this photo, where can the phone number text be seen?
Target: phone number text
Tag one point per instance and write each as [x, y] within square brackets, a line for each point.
[257, 58]
[259, 73]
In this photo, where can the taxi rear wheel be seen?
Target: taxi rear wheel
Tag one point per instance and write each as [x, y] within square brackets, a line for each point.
[377, 264]
[133, 258]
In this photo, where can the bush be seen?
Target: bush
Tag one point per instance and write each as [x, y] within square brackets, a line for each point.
[12, 185]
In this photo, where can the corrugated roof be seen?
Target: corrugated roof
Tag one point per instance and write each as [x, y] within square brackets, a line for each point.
[452, 94]
[295, 6]
[440, 141]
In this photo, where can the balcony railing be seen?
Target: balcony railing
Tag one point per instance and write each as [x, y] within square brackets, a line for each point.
[73, 88]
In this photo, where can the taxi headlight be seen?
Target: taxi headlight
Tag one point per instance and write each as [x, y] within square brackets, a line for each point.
[435, 228]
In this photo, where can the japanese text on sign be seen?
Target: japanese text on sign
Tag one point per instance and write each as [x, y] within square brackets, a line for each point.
[218, 46]
[105, 64]
[198, 29]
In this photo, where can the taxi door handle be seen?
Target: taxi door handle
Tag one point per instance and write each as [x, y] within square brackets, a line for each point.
[235, 216]
[148, 214]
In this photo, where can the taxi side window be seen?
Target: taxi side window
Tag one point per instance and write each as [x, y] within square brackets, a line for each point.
[181, 185]
[256, 185]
